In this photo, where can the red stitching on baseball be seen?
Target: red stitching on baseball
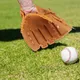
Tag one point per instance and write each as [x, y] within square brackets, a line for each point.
[69, 55]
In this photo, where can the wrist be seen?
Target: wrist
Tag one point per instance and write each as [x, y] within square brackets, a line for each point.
[27, 10]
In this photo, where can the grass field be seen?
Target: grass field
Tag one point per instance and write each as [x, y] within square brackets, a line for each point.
[19, 62]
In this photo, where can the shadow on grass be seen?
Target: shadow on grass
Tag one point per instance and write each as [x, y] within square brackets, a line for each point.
[56, 44]
[53, 46]
[76, 29]
[73, 63]
[14, 34]
[10, 34]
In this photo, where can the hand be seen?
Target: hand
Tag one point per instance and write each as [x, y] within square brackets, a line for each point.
[27, 6]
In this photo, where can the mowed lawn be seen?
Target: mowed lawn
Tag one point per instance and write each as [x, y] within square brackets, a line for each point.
[19, 62]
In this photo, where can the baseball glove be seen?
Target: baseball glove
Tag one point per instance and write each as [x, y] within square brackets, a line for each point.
[42, 28]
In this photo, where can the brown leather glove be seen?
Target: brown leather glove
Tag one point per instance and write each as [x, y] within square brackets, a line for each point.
[42, 28]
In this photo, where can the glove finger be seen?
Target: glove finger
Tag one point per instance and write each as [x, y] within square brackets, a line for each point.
[61, 28]
[30, 40]
[53, 15]
[41, 40]
[52, 30]
[46, 34]
[59, 19]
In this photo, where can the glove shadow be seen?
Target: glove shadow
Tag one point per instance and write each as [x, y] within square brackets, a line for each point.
[75, 29]
[53, 46]
[10, 34]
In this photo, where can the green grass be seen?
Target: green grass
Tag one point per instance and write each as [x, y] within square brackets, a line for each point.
[19, 62]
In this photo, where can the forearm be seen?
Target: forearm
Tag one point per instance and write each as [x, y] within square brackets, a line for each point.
[27, 6]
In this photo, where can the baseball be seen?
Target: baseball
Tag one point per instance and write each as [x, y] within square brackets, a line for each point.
[69, 55]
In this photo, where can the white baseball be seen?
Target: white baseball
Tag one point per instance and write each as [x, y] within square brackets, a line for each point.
[69, 55]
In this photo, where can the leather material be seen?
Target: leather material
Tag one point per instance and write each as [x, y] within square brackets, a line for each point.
[42, 28]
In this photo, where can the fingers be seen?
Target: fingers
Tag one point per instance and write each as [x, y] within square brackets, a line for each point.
[44, 31]
[30, 40]
[52, 30]
[40, 38]
[52, 15]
